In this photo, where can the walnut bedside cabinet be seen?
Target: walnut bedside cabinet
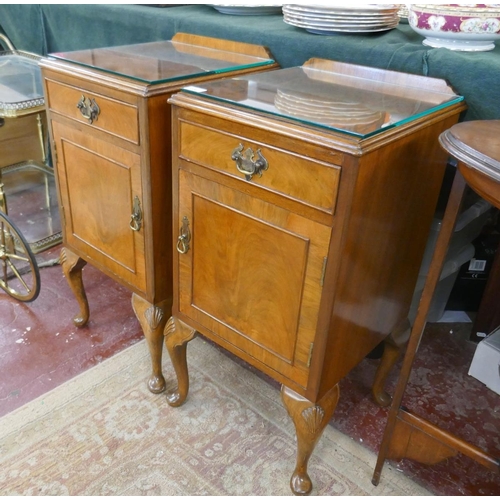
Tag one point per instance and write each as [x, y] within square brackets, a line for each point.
[109, 123]
[302, 202]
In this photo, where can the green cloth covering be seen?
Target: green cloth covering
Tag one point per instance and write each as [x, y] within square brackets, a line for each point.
[45, 29]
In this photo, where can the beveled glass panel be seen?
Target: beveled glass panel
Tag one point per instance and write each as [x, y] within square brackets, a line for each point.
[346, 102]
[163, 61]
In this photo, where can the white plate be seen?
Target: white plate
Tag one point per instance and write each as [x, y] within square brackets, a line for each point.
[354, 10]
[323, 27]
[341, 21]
[305, 11]
[248, 10]
[334, 17]
[329, 31]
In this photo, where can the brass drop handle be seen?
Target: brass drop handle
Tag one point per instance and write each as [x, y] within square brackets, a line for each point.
[136, 217]
[246, 164]
[184, 236]
[88, 108]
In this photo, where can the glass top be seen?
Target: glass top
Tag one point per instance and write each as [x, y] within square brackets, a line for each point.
[355, 105]
[20, 83]
[161, 62]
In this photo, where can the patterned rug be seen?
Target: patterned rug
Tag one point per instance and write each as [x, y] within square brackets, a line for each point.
[104, 433]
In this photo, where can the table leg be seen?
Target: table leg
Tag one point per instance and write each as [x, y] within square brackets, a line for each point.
[177, 335]
[310, 419]
[152, 319]
[72, 266]
[439, 256]
[393, 345]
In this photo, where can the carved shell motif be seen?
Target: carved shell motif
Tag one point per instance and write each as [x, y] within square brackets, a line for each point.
[154, 316]
[313, 417]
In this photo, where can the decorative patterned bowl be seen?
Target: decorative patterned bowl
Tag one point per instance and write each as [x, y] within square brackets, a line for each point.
[468, 27]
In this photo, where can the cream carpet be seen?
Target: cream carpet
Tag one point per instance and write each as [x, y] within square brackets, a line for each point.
[104, 433]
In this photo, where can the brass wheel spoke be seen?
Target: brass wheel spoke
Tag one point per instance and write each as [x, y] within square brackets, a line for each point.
[16, 256]
[18, 276]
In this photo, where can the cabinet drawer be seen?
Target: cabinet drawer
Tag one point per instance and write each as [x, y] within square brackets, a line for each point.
[115, 117]
[308, 181]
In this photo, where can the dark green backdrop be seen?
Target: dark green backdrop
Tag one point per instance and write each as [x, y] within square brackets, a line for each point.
[52, 28]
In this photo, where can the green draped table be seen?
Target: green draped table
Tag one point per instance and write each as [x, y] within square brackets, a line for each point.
[52, 28]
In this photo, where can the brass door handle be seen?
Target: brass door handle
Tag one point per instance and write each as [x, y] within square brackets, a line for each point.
[184, 236]
[246, 164]
[88, 108]
[136, 217]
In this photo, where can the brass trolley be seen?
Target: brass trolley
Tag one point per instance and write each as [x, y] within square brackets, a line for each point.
[29, 215]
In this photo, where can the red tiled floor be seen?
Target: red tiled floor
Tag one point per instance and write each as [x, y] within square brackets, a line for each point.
[40, 348]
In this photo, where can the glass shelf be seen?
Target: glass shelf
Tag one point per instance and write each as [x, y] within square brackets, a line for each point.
[30, 191]
[162, 62]
[347, 102]
[21, 88]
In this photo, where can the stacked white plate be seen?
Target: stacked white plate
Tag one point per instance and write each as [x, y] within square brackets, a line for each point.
[323, 20]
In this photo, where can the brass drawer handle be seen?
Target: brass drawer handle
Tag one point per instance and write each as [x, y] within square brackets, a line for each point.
[184, 236]
[88, 108]
[246, 164]
[136, 217]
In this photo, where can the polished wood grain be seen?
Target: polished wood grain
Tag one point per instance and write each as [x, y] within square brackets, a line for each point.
[253, 276]
[452, 210]
[153, 319]
[249, 49]
[115, 117]
[393, 346]
[72, 266]
[296, 176]
[310, 420]
[97, 185]
[177, 335]
[401, 84]
[418, 439]
[122, 156]
[301, 287]
[406, 435]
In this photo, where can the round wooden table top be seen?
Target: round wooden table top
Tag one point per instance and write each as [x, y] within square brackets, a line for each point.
[476, 145]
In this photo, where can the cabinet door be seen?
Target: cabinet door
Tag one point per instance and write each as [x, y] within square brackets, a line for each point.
[252, 274]
[98, 184]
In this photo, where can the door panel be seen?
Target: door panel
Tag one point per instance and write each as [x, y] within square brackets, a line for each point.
[98, 183]
[252, 274]
[242, 268]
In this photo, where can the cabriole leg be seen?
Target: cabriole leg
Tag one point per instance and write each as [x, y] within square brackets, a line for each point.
[152, 319]
[177, 335]
[393, 346]
[72, 266]
[310, 420]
